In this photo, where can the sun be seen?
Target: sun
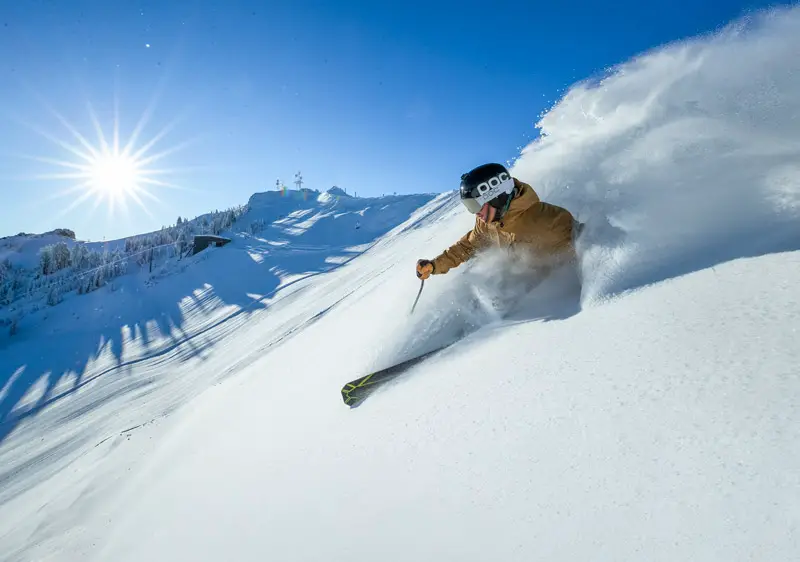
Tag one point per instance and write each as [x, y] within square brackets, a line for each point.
[114, 174]
[106, 170]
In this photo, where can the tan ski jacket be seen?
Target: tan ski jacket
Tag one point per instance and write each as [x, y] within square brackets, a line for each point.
[530, 225]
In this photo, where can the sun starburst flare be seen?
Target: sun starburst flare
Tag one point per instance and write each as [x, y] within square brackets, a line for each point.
[104, 172]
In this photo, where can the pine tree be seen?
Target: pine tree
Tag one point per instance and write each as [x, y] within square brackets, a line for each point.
[54, 295]
[46, 260]
[78, 257]
[61, 256]
[7, 290]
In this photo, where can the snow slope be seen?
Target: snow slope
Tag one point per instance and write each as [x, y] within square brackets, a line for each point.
[82, 351]
[673, 436]
[651, 415]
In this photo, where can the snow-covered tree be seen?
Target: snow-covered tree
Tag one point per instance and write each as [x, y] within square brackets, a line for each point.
[46, 260]
[79, 257]
[9, 282]
[62, 269]
[54, 295]
[182, 245]
[61, 256]
[54, 257]
[257, 226]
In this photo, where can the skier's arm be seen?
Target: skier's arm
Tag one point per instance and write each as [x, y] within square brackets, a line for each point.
[457, 254]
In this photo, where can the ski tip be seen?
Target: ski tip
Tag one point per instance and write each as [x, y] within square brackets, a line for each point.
[353, 402]
[350, 399]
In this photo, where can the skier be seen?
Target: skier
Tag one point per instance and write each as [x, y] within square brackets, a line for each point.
[508, 214]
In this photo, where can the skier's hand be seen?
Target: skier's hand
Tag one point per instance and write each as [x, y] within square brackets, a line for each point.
[424, 269]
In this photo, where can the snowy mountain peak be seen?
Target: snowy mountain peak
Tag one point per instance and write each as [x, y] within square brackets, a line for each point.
[65, 232]
[328, 218]
[22, 249]
[338, 191]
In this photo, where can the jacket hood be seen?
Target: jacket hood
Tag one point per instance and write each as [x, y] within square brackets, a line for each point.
[526, 197]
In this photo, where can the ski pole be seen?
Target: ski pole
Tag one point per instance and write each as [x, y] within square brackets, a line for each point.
[421, 285]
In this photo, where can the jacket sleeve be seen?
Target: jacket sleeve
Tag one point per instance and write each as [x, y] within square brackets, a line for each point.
[458, 253]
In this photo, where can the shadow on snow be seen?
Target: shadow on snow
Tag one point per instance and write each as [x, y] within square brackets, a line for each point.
[175, 315]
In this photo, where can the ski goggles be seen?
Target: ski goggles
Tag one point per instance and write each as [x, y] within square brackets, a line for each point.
[472, 205]
[486, 191]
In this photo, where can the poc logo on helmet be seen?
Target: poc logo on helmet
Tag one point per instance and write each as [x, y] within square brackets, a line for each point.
[490, 188]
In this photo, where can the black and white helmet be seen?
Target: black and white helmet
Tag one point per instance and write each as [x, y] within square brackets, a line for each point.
[489, 183]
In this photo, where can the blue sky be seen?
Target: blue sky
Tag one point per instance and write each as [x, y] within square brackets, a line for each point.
[374, 97]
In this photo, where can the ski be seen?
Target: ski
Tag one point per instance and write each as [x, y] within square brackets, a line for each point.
[356, 391]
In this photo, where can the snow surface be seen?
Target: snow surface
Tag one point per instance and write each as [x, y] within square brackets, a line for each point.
[142, 316]
[651, 414]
